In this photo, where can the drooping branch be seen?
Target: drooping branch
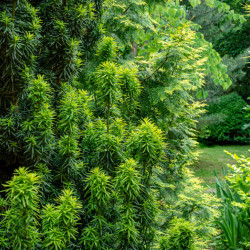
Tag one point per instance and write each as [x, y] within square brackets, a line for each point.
[155, 70]
[163, 83]
[124, 12]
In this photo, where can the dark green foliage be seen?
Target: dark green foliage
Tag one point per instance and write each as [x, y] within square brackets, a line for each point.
[235, 42]
[63, 29]
[110, 152]
[19, 41]
[9, 144]
[224, 122]
[131, 90]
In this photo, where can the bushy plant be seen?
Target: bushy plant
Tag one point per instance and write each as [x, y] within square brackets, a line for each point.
[225, 120]
[19, 226]
[22, 216]
[97, 150]
[234, 194]
[129, 187]
[180, 236]
[190, 202]
[20, 27]
[59, 223]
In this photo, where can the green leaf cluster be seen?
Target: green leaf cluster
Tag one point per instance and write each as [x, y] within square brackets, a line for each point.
[234, 195]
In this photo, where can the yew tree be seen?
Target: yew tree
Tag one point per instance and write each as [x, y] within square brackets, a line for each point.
[98, 110]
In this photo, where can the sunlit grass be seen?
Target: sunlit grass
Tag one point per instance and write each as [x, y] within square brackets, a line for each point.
[214, 159]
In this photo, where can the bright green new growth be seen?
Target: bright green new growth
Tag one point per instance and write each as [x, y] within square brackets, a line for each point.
[20, 227]
[98, 192]
[146, 145]
[107, 50]
[118, 183]
[128, 181]
[180, 236]
[108, 86]
[20, 220]
[38, 129]
[128, 185]
[98, 186]
[69, 126]
[59, 223]
[38, 91]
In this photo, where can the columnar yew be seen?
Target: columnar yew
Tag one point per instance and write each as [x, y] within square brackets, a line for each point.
[146, 145]
[108, 86]
[19, 40]
[99, 229]
[20, 221]
[59, 223]
[37, 130]
[128, 185]
[95, 150]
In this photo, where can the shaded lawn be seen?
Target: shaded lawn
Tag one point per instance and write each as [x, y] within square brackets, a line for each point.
[215, 159]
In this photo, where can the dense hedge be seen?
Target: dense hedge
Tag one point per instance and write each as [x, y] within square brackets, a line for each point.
[224, 121]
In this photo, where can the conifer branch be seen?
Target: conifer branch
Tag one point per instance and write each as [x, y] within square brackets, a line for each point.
[202, 14]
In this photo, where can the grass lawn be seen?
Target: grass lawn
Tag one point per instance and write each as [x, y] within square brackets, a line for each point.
[215, 159]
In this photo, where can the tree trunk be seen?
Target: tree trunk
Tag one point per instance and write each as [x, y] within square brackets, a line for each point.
[14, 9]
[134, 49]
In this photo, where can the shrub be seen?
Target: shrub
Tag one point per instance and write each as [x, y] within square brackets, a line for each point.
[180, 236]
[234, 193]
[19, 228]
[225, 120]
[77, 142]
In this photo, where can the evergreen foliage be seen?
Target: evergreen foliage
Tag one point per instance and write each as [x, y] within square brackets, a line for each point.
[98, 102]
[19, 228]
[225, 120]
[181, 236]
[234, 195]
